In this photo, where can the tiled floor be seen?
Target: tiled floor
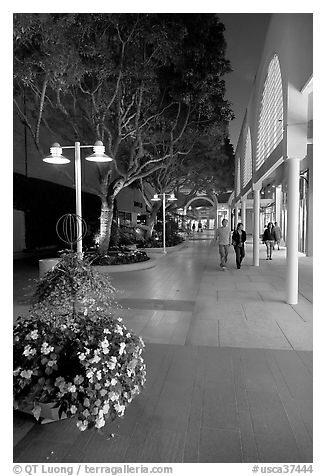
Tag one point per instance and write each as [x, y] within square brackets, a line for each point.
[229, 364]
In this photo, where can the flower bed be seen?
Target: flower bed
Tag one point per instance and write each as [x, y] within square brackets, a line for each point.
[72, 351]
[120, 256]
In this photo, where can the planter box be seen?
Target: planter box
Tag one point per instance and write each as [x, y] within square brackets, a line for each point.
[47, 264]
[48, 414]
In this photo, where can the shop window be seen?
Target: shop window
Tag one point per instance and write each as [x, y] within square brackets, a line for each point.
[124, 218]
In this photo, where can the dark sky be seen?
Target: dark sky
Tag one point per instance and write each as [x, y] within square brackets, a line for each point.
[245, 36]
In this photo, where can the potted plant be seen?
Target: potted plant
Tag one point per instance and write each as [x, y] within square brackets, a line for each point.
[72, 352]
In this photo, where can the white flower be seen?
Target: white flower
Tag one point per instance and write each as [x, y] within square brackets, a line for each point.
[71, 388]
[112, 363]
[34, 334]
[119, 408]
[73, 409]
[46, 348]
[82, 356]
[26, 373]
[106, 408]
[118, 329]
[90, 374]
[86, 402]
[122, 348]
[82, 425]
[103, 392]
[29, 351]
[99, 422]
[106, 331]
[95, 359]
[114, 382]
[51, 363]
[113, 396]
[86, 413]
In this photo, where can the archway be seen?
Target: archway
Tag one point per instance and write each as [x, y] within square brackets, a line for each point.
[208, 199]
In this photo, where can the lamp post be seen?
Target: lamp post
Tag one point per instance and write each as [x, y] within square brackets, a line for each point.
[57, 158]
[171, 198]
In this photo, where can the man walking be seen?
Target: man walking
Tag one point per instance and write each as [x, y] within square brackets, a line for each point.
[278, 234]
[223, 236]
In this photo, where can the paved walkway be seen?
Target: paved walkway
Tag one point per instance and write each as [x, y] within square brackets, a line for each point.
[229, 366]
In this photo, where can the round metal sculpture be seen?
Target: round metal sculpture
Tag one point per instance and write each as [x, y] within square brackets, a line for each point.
[71, 228]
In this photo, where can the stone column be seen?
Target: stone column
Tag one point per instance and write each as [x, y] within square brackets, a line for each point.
[293, 173]
[243, 213]
[256, 226]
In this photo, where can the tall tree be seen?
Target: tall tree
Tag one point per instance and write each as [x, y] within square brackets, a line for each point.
[130, 80]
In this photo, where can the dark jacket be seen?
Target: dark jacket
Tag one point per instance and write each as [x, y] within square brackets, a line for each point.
[269, 235]
[236, 237]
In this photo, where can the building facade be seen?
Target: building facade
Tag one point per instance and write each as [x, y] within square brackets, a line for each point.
[274, 153]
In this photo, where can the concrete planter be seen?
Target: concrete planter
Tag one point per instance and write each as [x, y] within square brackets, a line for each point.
[118, 268]
[46, 264]
[48, 414]
[169, 249]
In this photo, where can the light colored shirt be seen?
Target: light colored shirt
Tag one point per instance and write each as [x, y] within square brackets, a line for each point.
[224, 235]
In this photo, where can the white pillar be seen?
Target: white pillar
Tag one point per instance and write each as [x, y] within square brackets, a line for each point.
[243, 213]
[293, 172]
[236, 216]
[278, 204]
[78, 199]
[256, 227]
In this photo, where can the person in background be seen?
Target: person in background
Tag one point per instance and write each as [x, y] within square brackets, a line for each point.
[223, 235]
[278, 234]
[269, 239]
[239, 237]
[200, 227]
[193, 227]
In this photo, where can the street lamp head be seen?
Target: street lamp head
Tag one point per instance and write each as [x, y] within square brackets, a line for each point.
[155, 198]
[56, 156]
[99, 155]
[172, 197]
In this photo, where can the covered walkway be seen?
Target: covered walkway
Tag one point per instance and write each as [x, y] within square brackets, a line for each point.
[229, 366]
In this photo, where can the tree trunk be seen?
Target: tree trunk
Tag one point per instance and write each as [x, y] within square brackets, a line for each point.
[105, 225]
[150, 220]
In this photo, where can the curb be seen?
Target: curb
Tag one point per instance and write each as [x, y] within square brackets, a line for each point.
[169, 249]
[120, 268]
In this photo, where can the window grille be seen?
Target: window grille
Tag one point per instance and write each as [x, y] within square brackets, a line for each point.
[270, 128]
[237, 185]
[247, 168]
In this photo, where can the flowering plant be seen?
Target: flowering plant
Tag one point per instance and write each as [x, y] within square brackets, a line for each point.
[73, 351]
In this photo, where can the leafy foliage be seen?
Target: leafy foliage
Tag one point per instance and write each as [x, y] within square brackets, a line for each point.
[148, 85]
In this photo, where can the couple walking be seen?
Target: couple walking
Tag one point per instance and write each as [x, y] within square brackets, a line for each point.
[223, 235]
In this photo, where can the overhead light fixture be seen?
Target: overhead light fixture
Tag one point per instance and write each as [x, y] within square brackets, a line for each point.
[99, 155]
[56, 156]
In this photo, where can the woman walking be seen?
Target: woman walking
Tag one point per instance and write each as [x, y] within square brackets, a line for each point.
[269, 238]
[239, 237]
